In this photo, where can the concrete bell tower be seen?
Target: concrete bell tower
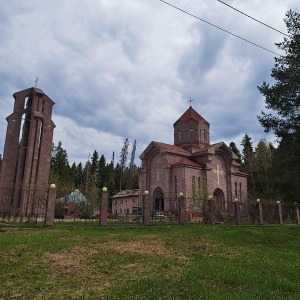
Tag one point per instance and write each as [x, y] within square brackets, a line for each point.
[27, 152]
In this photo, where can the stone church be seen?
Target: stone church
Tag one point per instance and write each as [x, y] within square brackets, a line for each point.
[192, 166]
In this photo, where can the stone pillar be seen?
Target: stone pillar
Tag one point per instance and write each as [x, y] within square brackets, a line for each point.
[260, 212]
[181, 207]
[279, 211]
[50, 206]
[146, 209]
[296, 212]
[103, 207]
[211, 210]
[237, 211]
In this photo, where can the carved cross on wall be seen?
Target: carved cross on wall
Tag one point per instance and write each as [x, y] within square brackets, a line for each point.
[219, 172]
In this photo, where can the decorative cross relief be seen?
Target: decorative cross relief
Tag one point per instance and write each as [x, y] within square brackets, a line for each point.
[218, 171]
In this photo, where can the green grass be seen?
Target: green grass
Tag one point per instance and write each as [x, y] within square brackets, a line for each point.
[77, 261]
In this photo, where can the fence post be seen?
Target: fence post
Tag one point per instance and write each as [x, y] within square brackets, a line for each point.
[260, 212]
[103, 207]
[50, 206]
[211, 209]
[237, 211]
[181, 205]
[279, 211]
[146, 209]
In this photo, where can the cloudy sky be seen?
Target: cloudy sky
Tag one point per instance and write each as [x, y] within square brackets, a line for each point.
[127, 69]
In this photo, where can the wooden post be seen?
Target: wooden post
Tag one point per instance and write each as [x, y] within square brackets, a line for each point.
[260, 213]
[50, 206]
[181, 215]
[279, 211]
[146, 209]
[211, 209]
[237, 211]
[103, 207]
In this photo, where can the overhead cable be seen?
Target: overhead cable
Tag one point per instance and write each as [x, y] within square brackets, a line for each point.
[253, 18]
[220, 28]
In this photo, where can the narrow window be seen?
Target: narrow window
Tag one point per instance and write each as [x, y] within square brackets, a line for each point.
[203, 134]
[240, 191]
[193, 187]
[235, 189]
[179, 135]
[191, 133]
[175, 185]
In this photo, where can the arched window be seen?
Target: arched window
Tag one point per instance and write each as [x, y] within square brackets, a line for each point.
[191, 133]
[179, 135]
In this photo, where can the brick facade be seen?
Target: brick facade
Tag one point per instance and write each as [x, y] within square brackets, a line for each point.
[192, 166]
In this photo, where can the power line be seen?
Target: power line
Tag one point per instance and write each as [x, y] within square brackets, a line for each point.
[220, 28]
[253, 18]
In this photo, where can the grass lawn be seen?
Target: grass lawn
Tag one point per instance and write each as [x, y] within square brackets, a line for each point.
[78, 261]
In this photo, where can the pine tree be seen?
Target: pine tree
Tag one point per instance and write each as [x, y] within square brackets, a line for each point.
[247, 165]
[263, 160]
[283, 99]
[234, 148]
[60, 169]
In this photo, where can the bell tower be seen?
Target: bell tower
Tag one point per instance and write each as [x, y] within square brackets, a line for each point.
[191, 131]
[27, 152]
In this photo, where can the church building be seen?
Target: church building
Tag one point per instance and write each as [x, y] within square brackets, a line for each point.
[191, 166]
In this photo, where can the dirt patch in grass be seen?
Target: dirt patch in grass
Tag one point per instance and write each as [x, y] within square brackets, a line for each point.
[149, 247]
[68, 261]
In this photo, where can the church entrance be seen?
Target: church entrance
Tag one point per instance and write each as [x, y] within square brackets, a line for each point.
[159, 201]
[219, 198]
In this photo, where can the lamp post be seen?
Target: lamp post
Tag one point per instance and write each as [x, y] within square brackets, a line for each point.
[146, 209]
[260, 212]
[237, 211]
[279, 211]
[181, 205]
[211, 209]
[103, 207]
[50, 206]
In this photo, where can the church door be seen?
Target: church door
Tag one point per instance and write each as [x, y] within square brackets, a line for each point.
[159, 204]
[219, 200]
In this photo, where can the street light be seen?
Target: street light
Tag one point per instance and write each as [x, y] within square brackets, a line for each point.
[146, 209]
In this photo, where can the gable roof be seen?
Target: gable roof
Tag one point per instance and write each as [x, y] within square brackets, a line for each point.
[187, 162]
[162, 147]
[190, 114]
[172, 148]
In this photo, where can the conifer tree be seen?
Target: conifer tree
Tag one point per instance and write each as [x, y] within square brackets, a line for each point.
[234, 148]
[283, 100]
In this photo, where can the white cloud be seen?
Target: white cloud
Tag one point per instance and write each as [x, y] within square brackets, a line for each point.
[121, 70]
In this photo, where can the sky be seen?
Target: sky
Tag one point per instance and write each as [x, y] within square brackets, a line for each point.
[127, 69]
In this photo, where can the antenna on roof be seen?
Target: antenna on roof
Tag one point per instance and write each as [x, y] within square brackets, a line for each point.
[36, 80]
[190, 101]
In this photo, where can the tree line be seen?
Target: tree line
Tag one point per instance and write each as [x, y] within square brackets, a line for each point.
[96, 172]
